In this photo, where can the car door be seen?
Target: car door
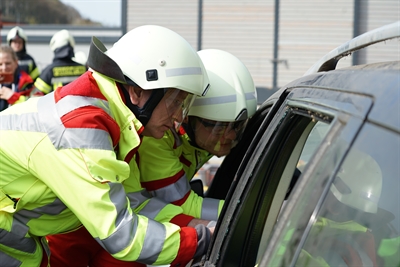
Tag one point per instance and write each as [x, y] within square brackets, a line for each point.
[304, 132]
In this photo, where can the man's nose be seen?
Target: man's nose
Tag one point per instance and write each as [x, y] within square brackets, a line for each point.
[230, 133]
[178, 115]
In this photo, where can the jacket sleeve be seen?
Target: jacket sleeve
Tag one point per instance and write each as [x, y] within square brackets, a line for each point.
[163, 176]
[88, 182]
[43, 84]
[152, 207]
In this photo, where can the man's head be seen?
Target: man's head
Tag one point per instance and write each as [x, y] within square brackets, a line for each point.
[160, 73]
[62, 44]
[358, 183]
[17, 39]
[217, 120]
[356, 189]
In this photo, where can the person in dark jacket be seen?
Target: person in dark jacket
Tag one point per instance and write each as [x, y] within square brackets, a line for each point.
[15, 83]
[63, 69]
[17, 39]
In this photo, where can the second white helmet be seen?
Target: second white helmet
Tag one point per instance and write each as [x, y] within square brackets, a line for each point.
[232, 95]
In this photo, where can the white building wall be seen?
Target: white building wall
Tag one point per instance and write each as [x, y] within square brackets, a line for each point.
[178, 15]
[378, 13]
[308, 29]
[245, 29]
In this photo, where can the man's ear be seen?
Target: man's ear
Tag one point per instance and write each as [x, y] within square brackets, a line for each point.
[135, 94]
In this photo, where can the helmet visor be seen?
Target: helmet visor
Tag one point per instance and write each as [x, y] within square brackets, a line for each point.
[217, 137]
[177, 103]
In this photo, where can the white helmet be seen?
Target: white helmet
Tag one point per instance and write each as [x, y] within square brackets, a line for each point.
[232, 95]
[16, 32]
[155, 57]
[359, 182]
[217, 120]
[60, 39]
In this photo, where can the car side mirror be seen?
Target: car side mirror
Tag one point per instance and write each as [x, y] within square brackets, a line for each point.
[197, 186]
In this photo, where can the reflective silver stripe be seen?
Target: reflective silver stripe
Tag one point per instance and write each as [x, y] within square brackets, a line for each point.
[72, 102]
[125, 223]
[250, 96]
[118, 198]
[173, 192]
[221, 99]
[153, 243]
[152, 208]
[21, 122]
[137, 198]
[214, 100]
[26, 62]
[62, 137]
[183, 71]
[16, 237]
[209, 209]
[9, 261]
[48, 120]
[122, 236]
[17, 241]
[63, 80]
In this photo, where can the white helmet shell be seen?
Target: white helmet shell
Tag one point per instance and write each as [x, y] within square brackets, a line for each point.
[175, 65]
[60, 39]
[16, 31]
[359, 182]
[231, 92]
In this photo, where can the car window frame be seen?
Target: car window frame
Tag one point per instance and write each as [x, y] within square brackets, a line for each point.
[294, 97]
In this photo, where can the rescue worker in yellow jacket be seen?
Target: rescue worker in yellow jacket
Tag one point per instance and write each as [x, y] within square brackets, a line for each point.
[67, 158]
[214, 126]
[63, 69]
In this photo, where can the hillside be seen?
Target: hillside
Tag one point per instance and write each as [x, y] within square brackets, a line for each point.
[41, 12]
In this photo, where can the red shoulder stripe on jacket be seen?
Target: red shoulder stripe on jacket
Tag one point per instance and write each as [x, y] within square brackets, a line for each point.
[154, 185]
[85, 85]
[92, 118]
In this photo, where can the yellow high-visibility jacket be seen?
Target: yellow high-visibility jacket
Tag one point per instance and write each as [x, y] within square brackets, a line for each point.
[64, 161]
[166, 169]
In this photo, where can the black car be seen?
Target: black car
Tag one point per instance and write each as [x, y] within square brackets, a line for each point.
[315, 180]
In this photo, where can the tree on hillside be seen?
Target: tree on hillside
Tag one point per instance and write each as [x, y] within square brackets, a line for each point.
[41, 12]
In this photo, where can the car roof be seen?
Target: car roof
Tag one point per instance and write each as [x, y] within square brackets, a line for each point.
[329, 61]
[379, 81]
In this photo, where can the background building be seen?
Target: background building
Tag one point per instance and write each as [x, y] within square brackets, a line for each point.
[278, 40]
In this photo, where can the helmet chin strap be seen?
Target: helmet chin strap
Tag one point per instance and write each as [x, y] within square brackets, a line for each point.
[143, 114]
[190, 132]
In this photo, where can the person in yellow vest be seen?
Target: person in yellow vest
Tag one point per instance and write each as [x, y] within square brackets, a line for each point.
[214, 126]
[63, 69]
[68, 162]
[17, 40]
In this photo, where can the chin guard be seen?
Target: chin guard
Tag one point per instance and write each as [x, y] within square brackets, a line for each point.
[143, 114]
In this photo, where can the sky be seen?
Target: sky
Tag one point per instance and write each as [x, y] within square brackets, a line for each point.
[108, 12]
